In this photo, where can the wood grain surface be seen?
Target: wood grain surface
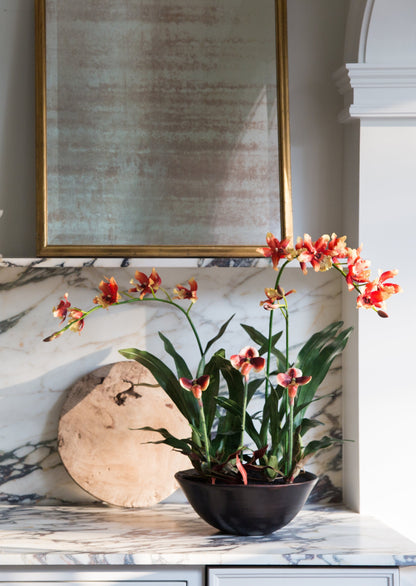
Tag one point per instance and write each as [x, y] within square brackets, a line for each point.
[100, 446]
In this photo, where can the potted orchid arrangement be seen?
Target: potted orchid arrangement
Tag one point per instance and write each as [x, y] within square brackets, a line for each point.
[227, 444]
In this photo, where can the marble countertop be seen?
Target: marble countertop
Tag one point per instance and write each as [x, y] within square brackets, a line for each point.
[174, 534]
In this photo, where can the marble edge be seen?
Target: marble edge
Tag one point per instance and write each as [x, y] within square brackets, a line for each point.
[202, 558]
[134, 262]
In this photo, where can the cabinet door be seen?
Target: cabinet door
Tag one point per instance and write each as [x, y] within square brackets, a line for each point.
[303, 577]
[110, 576]
[102, 582]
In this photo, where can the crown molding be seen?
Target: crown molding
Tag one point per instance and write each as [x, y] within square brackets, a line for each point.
[376, 91]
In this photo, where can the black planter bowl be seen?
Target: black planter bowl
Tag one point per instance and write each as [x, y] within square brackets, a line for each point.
[255, 509]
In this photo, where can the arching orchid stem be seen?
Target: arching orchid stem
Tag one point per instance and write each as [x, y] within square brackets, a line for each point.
[288, 438]
[269, 349]
[132, 299]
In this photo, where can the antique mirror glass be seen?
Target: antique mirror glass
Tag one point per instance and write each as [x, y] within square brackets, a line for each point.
[161, 130]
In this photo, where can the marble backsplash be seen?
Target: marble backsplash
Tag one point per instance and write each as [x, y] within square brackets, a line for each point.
[34, 375]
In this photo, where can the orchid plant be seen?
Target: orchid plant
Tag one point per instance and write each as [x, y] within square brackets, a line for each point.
[226, 441]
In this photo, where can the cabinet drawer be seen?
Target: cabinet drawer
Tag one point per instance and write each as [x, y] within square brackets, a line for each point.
[303, 577]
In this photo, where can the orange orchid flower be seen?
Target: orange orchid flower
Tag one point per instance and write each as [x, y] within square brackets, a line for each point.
[109, 293]
[274, 295]
[316, 253]
[146, 284]
[62, 309]
[182, 292]
[276, 249]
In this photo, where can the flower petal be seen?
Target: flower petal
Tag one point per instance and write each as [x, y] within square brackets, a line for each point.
[283, 379]
[258, 363]
[186, 383]
[203, 381]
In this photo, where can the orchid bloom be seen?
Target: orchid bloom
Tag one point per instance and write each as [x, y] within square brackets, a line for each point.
[376, 292]
[276, 249]
[291, 379]
[196, 386]
[109, 293]
[146, 284]
[76, 323]
[247, 359]
[358, 269]
[274, 295]
[182, 292]
[62, 309]
[337, 247]
[315, 253]
[388, 288]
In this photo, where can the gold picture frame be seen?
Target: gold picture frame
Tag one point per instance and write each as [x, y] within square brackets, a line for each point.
[78, 214]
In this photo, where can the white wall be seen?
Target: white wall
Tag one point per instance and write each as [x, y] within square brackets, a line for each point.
[387, 387]
[379, 390]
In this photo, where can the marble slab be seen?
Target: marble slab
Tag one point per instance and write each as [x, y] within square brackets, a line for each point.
[35, 376]
[174, 534]
[113, 262]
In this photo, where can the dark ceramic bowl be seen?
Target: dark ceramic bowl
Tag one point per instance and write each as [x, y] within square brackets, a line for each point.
[255, 509]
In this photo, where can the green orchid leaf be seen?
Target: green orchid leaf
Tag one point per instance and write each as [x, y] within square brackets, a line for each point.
[235, 409]
[252, 387]
[201, 367]
[183, 400]
[318, 340]
[220, 333]
[181, 445]
[315, 359]
[264, 348]
[253, 433]
[232, 377]
[230, 406]
[307, 424]
[209, 397]
[316, 445]
[262, 341]
[181, 366]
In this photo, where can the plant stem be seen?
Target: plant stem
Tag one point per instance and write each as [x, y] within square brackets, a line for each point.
[290, 446]
[243, 414]
[169, 301]
[288, 438]
[204, 430]
[269, 354]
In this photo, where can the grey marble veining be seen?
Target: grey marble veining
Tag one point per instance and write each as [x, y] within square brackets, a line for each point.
[35, 376]
[174, 534]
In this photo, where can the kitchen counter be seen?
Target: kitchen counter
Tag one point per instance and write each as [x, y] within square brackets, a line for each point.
[172, 534]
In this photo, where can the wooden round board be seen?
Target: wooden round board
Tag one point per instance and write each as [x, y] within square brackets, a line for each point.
[100, 447]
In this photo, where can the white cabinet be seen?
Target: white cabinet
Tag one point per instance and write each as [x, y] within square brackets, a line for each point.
[195, 576]
[114, 576]
[326, 576]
